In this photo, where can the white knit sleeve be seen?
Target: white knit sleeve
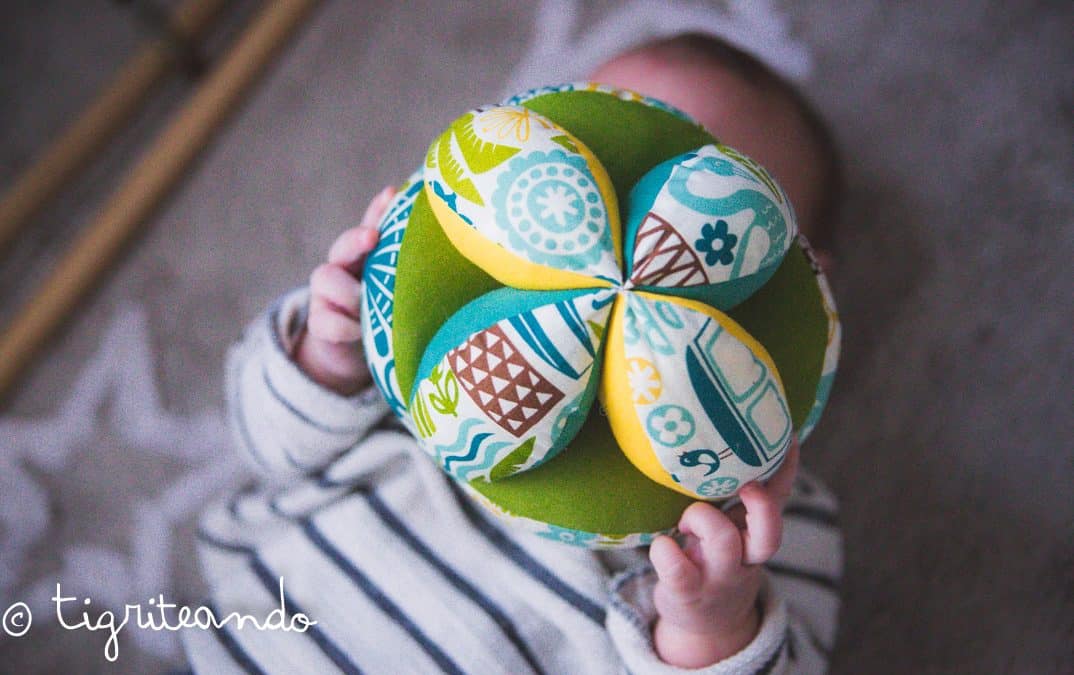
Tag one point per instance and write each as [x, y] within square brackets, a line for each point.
[630, 619]
[282, 421]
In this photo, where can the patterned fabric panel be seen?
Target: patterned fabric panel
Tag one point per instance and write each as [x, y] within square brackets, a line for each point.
[710, 224]
[378, 301]
[508, 397]
[533, 193]
[694, 401]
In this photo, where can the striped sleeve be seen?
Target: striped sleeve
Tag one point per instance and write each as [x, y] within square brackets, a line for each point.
[282, 421]
[399, 575]
[806, 573]
[799, 605]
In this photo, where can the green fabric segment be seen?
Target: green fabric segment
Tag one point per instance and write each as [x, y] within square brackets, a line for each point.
[433, 280]
[483, 313]
[590, 487]
[787, 317]
[629, 137]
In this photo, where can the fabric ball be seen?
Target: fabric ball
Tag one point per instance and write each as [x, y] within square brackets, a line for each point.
[591, 313]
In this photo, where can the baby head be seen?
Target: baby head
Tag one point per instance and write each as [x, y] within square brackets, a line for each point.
[747, 106]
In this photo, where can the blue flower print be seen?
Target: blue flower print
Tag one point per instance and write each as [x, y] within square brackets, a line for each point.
[710, 233]
[721, 486]
[670, 425]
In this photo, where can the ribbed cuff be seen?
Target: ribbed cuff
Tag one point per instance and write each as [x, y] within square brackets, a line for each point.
[287, 423]
[632, 613]
[313, 401]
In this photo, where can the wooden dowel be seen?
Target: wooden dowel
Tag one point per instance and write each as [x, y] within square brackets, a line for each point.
[102, 119]
[145, 185]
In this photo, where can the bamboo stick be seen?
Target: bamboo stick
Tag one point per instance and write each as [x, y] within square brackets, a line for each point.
[146, 184]
[102, 119]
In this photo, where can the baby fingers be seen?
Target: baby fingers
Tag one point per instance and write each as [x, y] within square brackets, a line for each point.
[673, 568]
[717, 542]
[349, 248]
[782, 482]
[327, 323]
[764, 524]
[334, 285]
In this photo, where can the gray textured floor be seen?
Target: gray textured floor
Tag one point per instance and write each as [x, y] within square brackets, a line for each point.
[948, 435]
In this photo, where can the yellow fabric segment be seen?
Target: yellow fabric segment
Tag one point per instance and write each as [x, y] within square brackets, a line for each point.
[730, 325]
[498, 262]
[622, 414]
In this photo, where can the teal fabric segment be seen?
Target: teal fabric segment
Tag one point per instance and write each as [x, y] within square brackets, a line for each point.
[723, 296]
[767, 216]
[482, 313]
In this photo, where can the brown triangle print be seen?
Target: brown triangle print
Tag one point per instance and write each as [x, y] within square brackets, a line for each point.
[511, 392]
[671, 262]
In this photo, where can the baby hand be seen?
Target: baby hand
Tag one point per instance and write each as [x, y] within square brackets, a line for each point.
[328, 349]
[706, 595]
